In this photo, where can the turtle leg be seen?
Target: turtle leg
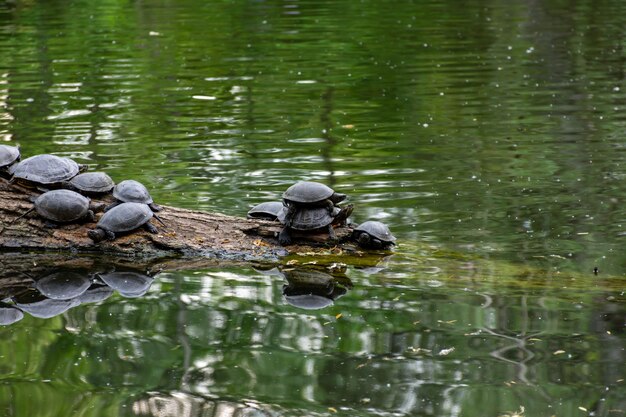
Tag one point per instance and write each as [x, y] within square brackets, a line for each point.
[284, 238]
[110, 206]
[150, 228]
[109, 235]
[331, 233]
[90, 216]
[96, 234]
[363, 240]
[50, 225]
[155, 207]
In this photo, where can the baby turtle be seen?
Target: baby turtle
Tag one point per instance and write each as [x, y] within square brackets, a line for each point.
[314, 220]
[63, 285]
[92, 183]
[49, 171]
[8, 156]
[62, 206]
[311, 194]
[373, 235]
[131, 191]
[124, 217]
[268, 210]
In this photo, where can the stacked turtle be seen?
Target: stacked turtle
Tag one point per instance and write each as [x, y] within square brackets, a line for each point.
[312, 207]
[67, 191]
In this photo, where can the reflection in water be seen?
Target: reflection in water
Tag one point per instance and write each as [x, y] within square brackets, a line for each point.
[54, 293]
[313, 289]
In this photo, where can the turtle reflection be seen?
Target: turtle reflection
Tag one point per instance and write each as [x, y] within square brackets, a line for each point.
[312, 288]
[9, 314]
[53, 291]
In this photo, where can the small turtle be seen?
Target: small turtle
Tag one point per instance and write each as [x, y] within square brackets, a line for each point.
[62, 206]
[124, 217]
[373, 235]
[268, 210]
[92, 183]
[9, 314]
[49, 171]
[63, 285]
[131, 191]
[128, 284]
[8, 156]
[314, 220]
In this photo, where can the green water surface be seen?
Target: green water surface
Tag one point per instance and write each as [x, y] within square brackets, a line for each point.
[488, 134]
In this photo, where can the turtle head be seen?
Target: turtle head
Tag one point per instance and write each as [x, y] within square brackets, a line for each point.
[363, 239]
[337, 198]
[96, 235]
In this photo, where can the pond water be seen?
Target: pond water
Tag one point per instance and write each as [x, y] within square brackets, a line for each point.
[489, 137]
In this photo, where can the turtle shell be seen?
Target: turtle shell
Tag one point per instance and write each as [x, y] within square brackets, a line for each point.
[125, 217]
[8, 155]
[313, 218]
[268, 210]
[131, 191]
[308, 301]
[63, 285]
[45, 169]
[308, 192]
[92, 182]
[376, 229]
[9, 314]
[62, 206]
[128, 284]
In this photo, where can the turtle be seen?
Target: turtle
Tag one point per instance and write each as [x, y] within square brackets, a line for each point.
[92, 183]
[310, 194]
[373, 235]
[315, 219]
[311, 289]
[124, 217]
[49, 171]
[129, 284]
[62, 206]
[9, 314]
[268, 210]
[8, 156]
[131, 191]
[63, 285]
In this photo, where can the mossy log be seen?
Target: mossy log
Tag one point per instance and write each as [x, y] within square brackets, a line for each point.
[187, 233]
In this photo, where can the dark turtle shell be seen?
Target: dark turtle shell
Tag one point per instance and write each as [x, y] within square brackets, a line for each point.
[309, 192]
[269, 210]
[8, 155]
[92, 182]
[131, 191]
[128, 284]
[62, 206]
[45, 169]
[376, 229]
[125, 217]
[313, 218]
[63, 285]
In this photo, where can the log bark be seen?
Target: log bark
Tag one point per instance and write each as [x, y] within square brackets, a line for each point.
[187, 233]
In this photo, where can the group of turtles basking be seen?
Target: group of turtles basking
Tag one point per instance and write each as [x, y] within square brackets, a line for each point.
[66, 191]
[312, 207]
[306, 207]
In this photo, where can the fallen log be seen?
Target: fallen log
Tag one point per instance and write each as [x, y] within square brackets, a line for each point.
[187, 233]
